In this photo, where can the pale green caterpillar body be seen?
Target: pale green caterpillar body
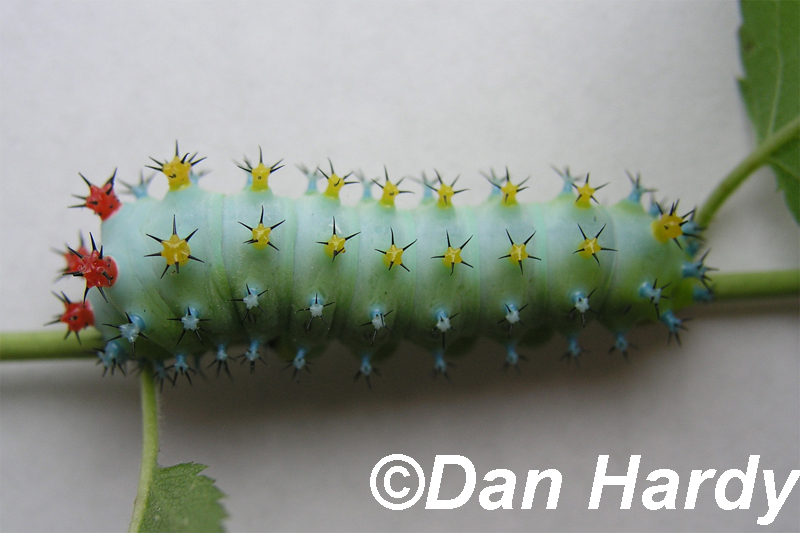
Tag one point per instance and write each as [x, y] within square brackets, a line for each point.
[201, 272]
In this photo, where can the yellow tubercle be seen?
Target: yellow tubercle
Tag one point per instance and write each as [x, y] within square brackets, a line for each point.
[509, 191]
[446, 193]
[335, 184]
[261, 236]
[390, 192]
[588, 248]
[176, 250]
[667, 227]
[335, 245]
[452, 257]
[585, 194]
[260, 174]
[177, 172]
[393, 256]
[517, 253]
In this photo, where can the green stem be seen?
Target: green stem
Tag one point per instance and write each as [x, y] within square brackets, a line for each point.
[740, 285]
[48, 345]
[149, 448]
[751, 163]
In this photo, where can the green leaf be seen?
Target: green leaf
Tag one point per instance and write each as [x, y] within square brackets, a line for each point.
[770, 46]
[180, 500]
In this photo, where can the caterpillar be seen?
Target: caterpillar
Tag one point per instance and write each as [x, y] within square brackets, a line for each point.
[200, 272]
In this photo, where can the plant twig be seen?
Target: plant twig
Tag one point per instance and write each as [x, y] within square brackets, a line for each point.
[149, 447]
[48, 345]
[740, 285]
[756, 159]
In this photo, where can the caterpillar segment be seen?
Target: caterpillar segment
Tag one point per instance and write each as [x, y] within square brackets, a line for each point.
[312, 270]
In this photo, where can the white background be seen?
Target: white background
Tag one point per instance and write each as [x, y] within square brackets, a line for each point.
[599, 86]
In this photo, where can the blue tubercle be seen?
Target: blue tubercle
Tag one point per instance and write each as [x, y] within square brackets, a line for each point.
[621, 343]
[131, 331]
[439, 364]
[512, 357]
[366, 186]
[252, 355]
[312, 176]
[702, 295]
[568, 179]
[366, 369]
[638, 190]
[691, 230]
[112, 357]
[366, 364]
[493, 179]
[139, 190]
[654, 210]
[427, 192]
[222, 353]
[190, 320]
[674, 325]
[573, 349]
[650, 292]
[181, 368]
[252, 352]
[299, 361]
[160, 372]
[221, 359]
[695, 269]
[180, 363]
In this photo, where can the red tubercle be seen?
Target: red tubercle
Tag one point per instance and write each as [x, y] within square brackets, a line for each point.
[73, 257]
[97, 269]
[101, 199]
[76, 315]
